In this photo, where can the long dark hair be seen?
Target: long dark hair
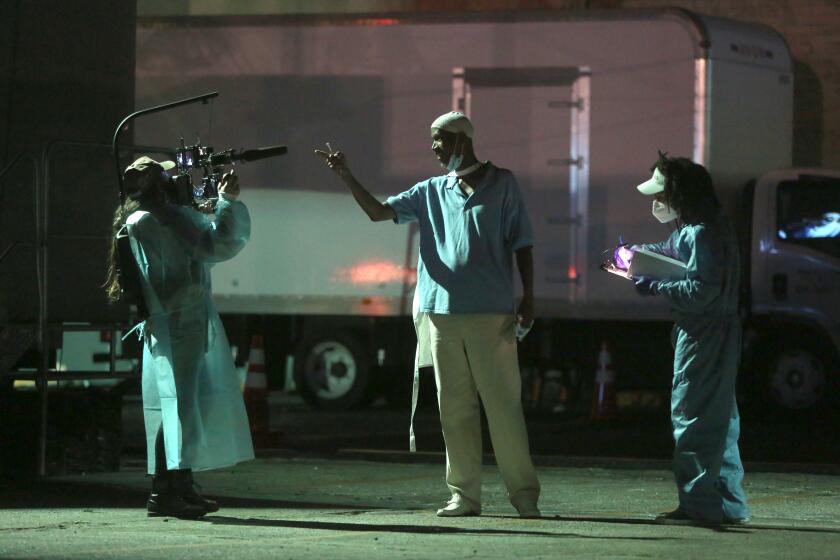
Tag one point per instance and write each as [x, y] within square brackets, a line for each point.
[688, 189]
[113, 290]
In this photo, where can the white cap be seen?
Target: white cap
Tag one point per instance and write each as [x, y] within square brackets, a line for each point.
[656, 184]
[454, 122]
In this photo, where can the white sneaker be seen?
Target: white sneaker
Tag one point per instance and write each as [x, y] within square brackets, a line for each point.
[457, 507]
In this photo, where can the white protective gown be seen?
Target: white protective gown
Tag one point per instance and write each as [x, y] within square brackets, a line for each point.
[189, 379]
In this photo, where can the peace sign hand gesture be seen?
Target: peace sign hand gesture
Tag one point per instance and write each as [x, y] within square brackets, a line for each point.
[336, 161]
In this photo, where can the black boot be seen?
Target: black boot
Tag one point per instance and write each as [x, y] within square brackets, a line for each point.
[166, 501]
[183, 481]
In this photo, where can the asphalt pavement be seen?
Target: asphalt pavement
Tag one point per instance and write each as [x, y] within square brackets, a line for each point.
[344, 507]
[342, 485]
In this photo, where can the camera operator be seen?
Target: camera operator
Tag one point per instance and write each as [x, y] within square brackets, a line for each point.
[194, 413]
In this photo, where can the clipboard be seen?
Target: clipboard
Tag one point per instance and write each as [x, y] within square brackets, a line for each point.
[648, 263]
[654, 265]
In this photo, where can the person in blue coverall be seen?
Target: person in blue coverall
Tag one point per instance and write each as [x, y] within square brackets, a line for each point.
[707, 342]
[192, 404]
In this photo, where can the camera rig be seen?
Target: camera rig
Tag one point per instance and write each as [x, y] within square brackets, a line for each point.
[192, 157]
[212, 163]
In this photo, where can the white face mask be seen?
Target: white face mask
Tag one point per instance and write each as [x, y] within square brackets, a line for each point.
[456, 159]
[454, 162]
[663, 212]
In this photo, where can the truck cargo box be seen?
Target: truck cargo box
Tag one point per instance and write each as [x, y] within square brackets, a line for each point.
[577, 108]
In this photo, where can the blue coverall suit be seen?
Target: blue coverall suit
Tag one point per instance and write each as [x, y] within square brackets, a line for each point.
[707, 347]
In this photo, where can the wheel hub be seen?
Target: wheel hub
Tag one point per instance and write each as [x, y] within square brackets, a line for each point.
[798, 380]
[338, 369]
[795, 379]
[331, 370]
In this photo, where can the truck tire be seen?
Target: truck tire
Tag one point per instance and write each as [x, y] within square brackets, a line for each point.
[332, 372]
[796, 378]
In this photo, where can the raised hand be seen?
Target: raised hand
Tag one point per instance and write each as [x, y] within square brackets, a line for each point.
[229, 185]
[334, 160]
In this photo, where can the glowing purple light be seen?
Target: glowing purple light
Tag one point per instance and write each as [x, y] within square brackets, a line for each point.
[623, 256]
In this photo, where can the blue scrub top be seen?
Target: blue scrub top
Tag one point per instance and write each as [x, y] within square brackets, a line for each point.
[466, 242]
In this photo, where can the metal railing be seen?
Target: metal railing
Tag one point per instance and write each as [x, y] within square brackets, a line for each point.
[42, 191]
[44, 373]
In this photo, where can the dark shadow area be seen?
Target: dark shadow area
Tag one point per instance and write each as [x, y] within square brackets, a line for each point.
[411, 529]
[793, 443]
[84, 434]
[30, 494]
[807, 116]
[59, 494]
[748, 529]
[788, 443]
[257, 503]
[84, 431]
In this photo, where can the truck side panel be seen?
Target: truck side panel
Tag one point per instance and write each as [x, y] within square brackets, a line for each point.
[371, 89]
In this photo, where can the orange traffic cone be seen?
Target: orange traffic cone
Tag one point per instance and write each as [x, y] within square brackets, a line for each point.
[603, 399]
[256, 393]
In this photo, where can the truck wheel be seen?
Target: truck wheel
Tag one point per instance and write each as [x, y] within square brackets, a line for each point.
[797, 378]
[332, 372]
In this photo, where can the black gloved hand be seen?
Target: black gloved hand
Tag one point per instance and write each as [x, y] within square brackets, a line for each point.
[646, 286]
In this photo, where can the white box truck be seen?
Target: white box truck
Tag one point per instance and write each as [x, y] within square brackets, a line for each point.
[576, 106]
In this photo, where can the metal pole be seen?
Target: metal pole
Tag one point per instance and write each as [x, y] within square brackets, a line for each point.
[112, 366]
[45, 356]
[42, 197]
[40, 271]
[43, 335]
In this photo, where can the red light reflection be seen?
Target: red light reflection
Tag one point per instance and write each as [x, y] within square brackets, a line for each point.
[378, 21]
[376, 272]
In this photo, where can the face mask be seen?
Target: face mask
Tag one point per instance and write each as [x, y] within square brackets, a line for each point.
[663, 212]
[455, 160]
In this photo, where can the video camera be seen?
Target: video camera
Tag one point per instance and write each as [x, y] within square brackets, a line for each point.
[212, 163]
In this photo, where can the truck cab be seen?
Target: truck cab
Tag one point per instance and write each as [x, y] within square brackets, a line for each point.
[792, 288]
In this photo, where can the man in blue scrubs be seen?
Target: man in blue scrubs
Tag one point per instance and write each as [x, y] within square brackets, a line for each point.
[472, 221]
[706, 339]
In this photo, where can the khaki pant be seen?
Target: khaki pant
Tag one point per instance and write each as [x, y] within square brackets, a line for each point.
[475, 354]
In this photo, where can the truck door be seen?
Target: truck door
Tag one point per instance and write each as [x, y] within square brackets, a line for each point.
[535, 122]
